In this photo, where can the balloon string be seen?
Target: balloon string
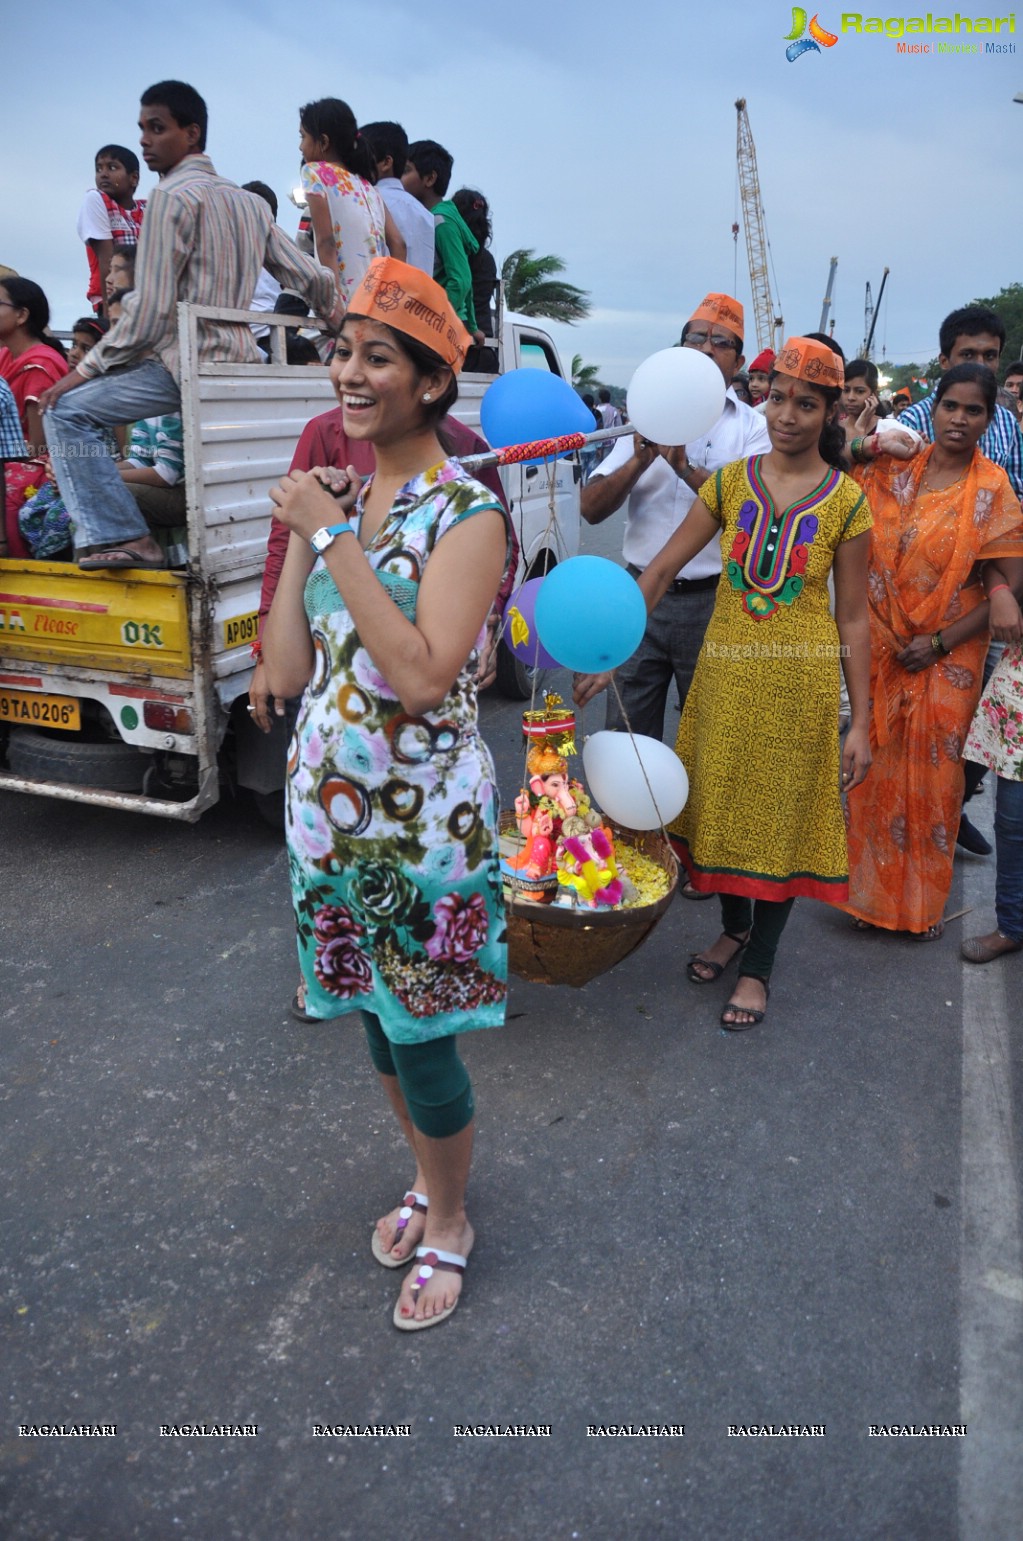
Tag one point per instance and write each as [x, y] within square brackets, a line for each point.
[639, 757]
[552, 530]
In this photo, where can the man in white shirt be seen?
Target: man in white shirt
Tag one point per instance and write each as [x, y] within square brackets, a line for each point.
[658, 487]
[388, 145]
[609, 413]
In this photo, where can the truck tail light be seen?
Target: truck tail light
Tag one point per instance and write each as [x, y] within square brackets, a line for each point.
[167, 718]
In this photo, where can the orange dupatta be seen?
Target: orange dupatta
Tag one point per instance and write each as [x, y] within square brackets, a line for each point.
[902, 820]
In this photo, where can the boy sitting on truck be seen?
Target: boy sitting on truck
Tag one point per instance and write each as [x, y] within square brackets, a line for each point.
[227, 236]
[110, 216]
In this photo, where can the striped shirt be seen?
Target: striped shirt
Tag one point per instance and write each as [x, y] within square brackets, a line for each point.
[1002, 441]
[156, 445]
[12, 440]
[203, 240]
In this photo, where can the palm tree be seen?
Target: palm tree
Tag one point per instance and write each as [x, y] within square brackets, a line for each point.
[529, 288]
[585, 377]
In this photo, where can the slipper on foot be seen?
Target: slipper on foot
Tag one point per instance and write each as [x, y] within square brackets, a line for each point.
[117, 558]
[429, 1260]
[409, 1205]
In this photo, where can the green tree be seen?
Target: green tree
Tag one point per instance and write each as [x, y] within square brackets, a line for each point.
[530, 289]
[585, 377]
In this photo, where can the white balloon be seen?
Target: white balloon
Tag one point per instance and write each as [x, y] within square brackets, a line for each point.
[615, 764]
[676, 396]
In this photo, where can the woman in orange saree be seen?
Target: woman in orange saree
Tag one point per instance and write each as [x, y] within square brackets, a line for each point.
[942, 527]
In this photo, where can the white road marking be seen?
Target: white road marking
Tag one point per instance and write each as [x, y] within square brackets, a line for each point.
[991, 1255]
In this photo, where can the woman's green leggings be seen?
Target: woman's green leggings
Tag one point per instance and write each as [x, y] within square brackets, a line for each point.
[765, 920]
[433, 1081]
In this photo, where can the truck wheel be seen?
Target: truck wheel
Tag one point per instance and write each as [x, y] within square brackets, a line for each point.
[114, 766]
[516, 679]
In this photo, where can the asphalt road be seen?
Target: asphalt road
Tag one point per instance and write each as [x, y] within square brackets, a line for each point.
[812, 1224]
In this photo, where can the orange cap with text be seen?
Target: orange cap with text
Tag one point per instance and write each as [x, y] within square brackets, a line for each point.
[720, 310]
[806, 359]
[405, 298]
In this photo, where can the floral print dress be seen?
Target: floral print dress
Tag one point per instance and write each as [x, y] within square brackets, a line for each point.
[392, 818]
[996, 736]
[357, 215]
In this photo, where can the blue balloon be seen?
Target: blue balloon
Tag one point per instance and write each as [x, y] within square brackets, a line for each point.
[528, 404]
[590, 614]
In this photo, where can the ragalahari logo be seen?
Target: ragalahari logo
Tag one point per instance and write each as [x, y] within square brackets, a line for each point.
[798, 44]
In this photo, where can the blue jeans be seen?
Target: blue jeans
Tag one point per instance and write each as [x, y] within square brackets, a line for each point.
[1009, 857]
[103, 511]
[669, 651]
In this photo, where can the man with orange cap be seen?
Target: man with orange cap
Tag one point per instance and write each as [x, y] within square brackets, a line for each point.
[658, 487]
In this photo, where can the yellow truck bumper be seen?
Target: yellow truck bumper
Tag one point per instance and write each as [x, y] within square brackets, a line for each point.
[134, 622]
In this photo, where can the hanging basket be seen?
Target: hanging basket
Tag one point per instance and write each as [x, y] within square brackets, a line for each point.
[551, 945]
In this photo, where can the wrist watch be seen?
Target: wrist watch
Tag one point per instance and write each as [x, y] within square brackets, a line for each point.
[323, 537]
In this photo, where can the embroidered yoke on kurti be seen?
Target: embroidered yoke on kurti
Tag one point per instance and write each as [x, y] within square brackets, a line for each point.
[759, 732]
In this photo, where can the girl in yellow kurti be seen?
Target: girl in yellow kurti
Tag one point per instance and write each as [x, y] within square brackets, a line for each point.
[758, 735]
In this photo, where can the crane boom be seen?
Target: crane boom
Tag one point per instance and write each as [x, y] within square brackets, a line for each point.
[767, 323]
[827, 298]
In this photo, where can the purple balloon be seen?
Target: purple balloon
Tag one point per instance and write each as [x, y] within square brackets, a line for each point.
[519, 610]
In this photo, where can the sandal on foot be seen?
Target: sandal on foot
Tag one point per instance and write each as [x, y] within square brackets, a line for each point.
[687, 891]
[429, 1259]
[932, 934]
[984, 949]
[861, 925]
[409, 1205]
[755, 1012]
[716, 969]
[298, 1009]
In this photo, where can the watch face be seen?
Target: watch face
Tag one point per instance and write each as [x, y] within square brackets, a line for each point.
[321, 540]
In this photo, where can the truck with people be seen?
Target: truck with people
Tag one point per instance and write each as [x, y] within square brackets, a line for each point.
[129, 689]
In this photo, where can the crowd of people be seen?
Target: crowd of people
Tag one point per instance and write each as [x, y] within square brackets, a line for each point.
[733, 540]
[368, 193]
[801, 536]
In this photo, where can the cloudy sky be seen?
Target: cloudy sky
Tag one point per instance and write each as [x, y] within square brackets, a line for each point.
[603, 132]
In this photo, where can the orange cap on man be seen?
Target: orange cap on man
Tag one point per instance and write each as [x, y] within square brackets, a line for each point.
[720, 310]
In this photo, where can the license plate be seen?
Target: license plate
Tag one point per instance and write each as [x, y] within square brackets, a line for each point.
[36, 710]
[241, 628]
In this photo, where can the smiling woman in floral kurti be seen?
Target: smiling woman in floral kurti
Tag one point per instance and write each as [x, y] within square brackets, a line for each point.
[392, 807]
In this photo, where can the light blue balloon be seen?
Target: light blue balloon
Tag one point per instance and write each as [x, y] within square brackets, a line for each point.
[528, 404]
[590, 614]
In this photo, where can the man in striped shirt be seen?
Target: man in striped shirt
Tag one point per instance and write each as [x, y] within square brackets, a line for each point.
[204, 240]
[975, 335]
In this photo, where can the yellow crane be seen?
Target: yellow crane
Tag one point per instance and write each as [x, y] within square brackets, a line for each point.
[769, 325]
